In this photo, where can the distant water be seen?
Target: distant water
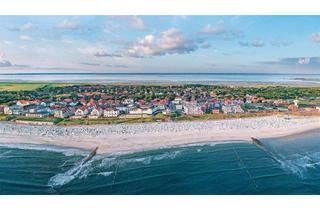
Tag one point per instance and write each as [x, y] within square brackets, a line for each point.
[291, 165]
[132, 78]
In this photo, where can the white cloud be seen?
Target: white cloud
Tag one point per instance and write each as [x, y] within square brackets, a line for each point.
[25, 37]
[3, 61]
[27, 26]
[255, 43]
[213, 29]
[304, 61]
[136, 22]
[171, 41]
[281, 43]
[315, 37]
[67, 24]
[98, 52]
[6, 42]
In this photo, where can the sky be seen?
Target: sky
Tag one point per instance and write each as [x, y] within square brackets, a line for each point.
[244, 44]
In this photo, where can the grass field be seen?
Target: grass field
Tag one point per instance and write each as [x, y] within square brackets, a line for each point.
[10, 86]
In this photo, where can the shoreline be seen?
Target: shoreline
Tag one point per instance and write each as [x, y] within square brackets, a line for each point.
[128, 138]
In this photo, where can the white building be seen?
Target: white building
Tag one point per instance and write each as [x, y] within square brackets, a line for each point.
[81, 112]
[38, 115]
[63, 113]
[96, 113]
[111, 113]
[192, 108]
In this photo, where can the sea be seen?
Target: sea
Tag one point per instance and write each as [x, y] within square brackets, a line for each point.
[163, 78]
[286, 165]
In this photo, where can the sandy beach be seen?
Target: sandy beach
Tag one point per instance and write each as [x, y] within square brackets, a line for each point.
[125, 138]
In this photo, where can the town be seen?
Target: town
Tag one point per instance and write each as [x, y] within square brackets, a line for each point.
[123, 103]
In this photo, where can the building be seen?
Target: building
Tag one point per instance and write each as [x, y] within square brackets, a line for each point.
[38, 115]
[96, 113]
[293, 108]
[2, 108]
[23, 103]
[192, 108]
[215, 111]
[110, 112]
[226, 109]
[81, 112]
[14, 110]
[63, 113]
[123, 109]
[232, 109]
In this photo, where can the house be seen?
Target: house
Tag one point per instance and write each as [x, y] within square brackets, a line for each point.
[38, 115]
[14, 110]
[293, 108]
[136, 111]
[215, 111]
[237, 109]
[2, 108]
[96, 113]
[166, 112]
[81, 112]
[226, 109]
[123, 109]
[23, 103]
[177, 100]
[63, 113]
[192, 108]
[110, 112]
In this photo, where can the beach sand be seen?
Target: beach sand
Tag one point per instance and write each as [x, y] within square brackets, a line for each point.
[124, 138]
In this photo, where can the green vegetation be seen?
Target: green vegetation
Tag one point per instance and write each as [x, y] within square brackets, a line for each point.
[3, 117]
[7, 86]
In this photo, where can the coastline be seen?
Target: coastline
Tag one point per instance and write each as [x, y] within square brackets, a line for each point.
[127, 138]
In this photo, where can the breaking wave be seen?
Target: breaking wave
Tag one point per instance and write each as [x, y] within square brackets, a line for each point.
[78, 171]
[300, 164]
[64, 150]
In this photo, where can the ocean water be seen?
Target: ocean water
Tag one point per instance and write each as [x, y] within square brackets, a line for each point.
[176, 78]
[288, 165]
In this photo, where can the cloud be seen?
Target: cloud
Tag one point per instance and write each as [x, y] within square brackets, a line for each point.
[171, 41]
[315, 37]
[295, 61]
[255, 43]
[218, 29]
[25, 27]
[136, 22]
[304, 61]
[90, 64]
[205, 45]
[132, 21]
[69, 25]
[6, 63]
[281, 43]
[99, 52]
[214, 29]
[25, 37]
[106, 65]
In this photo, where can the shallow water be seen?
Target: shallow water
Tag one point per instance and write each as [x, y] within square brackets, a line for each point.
[177, 78]
[290, 165]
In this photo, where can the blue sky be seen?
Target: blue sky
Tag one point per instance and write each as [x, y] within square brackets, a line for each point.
[253, 44]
